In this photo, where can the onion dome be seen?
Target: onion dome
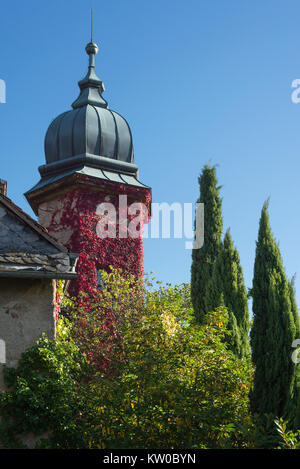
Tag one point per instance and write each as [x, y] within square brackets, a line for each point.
[90, 133]
[89, 140]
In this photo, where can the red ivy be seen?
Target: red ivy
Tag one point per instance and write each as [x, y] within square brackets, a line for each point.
[79, 215]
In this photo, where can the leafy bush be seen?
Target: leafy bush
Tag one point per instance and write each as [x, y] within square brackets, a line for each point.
[165, 381]
[131, 370]
[44, 392]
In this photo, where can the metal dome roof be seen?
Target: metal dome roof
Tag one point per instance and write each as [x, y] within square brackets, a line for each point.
[90, 128]
[89, 141]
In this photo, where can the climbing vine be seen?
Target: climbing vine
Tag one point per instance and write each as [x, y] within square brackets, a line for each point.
[75, 215]
[59, 294]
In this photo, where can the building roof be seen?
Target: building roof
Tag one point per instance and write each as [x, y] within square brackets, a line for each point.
[28, 250]
[101, 174]
[18, 264]
[4, 200]
[90, 128]
[89, 140]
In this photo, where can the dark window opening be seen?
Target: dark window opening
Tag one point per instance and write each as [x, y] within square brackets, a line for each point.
[100, 281]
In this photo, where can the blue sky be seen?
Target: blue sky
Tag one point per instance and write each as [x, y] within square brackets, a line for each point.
[198, 81]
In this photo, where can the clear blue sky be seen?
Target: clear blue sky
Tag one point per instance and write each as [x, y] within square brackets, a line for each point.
[198, 81]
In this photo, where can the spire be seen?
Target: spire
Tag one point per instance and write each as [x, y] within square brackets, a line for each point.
[91, 86]
[92, 24]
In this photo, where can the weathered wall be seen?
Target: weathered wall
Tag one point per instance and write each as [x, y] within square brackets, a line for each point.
[26, 311]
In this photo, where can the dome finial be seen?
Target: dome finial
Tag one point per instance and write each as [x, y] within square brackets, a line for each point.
[91, 24]
[91, 86]
[91, 48]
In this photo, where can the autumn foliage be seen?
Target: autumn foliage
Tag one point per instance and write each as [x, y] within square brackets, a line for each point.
[151, 377]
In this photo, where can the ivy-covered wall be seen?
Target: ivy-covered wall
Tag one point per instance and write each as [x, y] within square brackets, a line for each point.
[72, 218]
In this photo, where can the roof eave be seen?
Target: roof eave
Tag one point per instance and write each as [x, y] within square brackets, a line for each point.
[39, 275]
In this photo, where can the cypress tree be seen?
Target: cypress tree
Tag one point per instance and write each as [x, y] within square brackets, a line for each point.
[294, 306]
[203, 259]
[293, 406]
[228, 288]
[273, 330]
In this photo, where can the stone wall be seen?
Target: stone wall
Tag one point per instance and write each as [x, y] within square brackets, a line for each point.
[26, 311]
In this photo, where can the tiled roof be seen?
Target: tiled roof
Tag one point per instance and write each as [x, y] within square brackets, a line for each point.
[31, 222]
[36, 262]
[56, 262]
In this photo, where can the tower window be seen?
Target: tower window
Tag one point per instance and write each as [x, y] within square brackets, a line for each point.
[100, 281]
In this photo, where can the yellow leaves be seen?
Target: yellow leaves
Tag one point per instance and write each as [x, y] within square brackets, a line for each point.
[132, 405]
[243, 386]
[101, 409]
[169, 323]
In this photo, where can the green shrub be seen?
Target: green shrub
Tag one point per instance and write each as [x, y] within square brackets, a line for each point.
[132, 370]
[44, 392]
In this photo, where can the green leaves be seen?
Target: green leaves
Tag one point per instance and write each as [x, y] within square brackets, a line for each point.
[43, 391]
[275, 326]
[155, 379]
[203, 259]
[216, 274]
[228, 288]
[173, 383]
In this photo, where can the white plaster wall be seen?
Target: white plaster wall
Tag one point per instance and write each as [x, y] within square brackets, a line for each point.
[50, 213]
[26, 311]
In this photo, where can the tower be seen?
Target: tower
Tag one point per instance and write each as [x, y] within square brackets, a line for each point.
[89, 197]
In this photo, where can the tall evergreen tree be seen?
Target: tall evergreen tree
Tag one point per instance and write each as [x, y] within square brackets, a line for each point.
[203, 259]
[293, 407]
[228, 288]
[273, 330]
[294, 306]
